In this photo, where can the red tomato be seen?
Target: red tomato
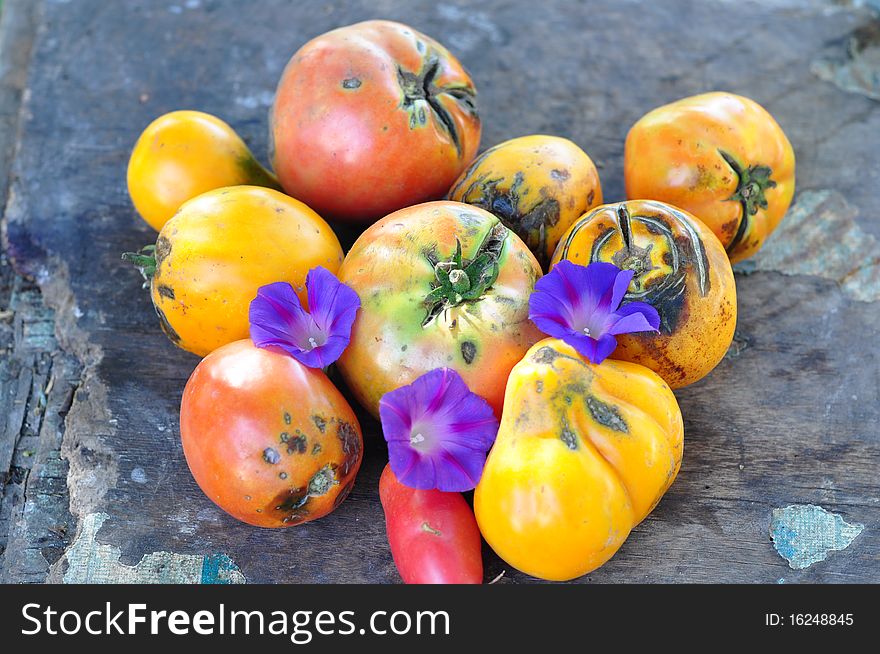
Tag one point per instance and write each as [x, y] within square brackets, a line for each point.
[371, 118]
[270, 441]
[433, 535]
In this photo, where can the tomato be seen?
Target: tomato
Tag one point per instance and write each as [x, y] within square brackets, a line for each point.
[680, 268]
[183, 154]
[270, 441]
[408, 324]
[583, 454]
[371, 118]
[537, 185]
[220, 248]
[721, 157]
[433, 535]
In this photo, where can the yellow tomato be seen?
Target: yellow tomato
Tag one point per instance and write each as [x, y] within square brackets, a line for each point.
[721, 157]
[537, 185]
[183, 154]
[583, 454]
[680, 269]
[220, 248]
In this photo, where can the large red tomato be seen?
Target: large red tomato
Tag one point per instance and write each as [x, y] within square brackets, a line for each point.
[442, 284]
[270, 441]
[371, 118]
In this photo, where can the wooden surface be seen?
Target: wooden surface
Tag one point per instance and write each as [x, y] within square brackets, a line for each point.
[94, 484]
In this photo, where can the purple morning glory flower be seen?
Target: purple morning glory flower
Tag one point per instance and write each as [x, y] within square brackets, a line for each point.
[581, 306]
[315, 338]
[438, 432]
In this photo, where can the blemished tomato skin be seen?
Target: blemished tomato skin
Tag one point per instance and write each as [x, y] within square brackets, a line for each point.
[537, 185]
[269, 440]
[392, 268]
[183, 154]
[680, 268]
[219, 248]
[371, 118]
[583, 454]
[433, 535]
[687, 154]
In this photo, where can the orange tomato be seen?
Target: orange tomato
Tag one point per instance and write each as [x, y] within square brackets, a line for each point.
[583, 454]
[220, 248]
[680, 269]
[183, 154]
[270, 441]
[719, 156]
[371, 118]
[408, 324]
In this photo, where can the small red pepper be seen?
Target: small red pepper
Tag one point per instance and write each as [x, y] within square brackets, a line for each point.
[433, 535]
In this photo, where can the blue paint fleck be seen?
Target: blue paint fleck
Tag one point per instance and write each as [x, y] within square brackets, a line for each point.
[217, 569]
[804, 534]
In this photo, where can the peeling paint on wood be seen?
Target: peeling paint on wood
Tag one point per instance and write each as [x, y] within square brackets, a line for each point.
[91, 562]
[819, 236]
[805, 534]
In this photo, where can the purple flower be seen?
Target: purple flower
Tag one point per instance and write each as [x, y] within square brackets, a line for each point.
[316, 338]
[581, 305]
[438, 432]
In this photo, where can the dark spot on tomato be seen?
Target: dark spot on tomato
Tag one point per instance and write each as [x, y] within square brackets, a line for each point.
[351, 446]
[297, 444]
[320, 423]
[591, 197]
[567, 436]
[323, 480]
[271, 456]
[559, 174]
[403, 348]
[539, 386]
[282, 475]
[166, 291]
[284, 437]
[316, 449]
[286, 418]
[468, 352]
[546, 355]
[163, 249]
[605, 414]
[351, 83]
[166, 327]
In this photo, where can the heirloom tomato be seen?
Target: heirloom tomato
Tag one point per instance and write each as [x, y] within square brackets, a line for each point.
[219, 248]
[680, 269]
[183, 154]
[537, 185]
[442, 284]
[583, 454]
[371, 118]
[433, 535]
[721, 157]
[269, 440]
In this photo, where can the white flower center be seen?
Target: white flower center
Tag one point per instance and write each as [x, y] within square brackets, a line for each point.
[415, 439]
[587, 331]
[313, 342]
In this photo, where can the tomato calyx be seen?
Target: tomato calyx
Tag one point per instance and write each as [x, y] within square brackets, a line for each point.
[144, 260]
[420, 88]
[750, 192]
[458, 280]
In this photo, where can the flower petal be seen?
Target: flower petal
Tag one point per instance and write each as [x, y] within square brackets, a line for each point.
[585, 345]
[332, 304]
[276, 316]
[635, 317]
[619, 288]
[458, 427]
[604, 347]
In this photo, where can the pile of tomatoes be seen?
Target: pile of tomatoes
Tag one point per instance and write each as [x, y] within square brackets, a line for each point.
[376, 124]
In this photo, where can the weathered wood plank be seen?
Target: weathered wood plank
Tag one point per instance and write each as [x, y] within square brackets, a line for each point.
[791, 416]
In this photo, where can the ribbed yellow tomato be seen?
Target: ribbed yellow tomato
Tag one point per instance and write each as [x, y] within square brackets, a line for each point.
[220, 248]
[583, 454]
[183, 154]
[537, 185]
[680, 269]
